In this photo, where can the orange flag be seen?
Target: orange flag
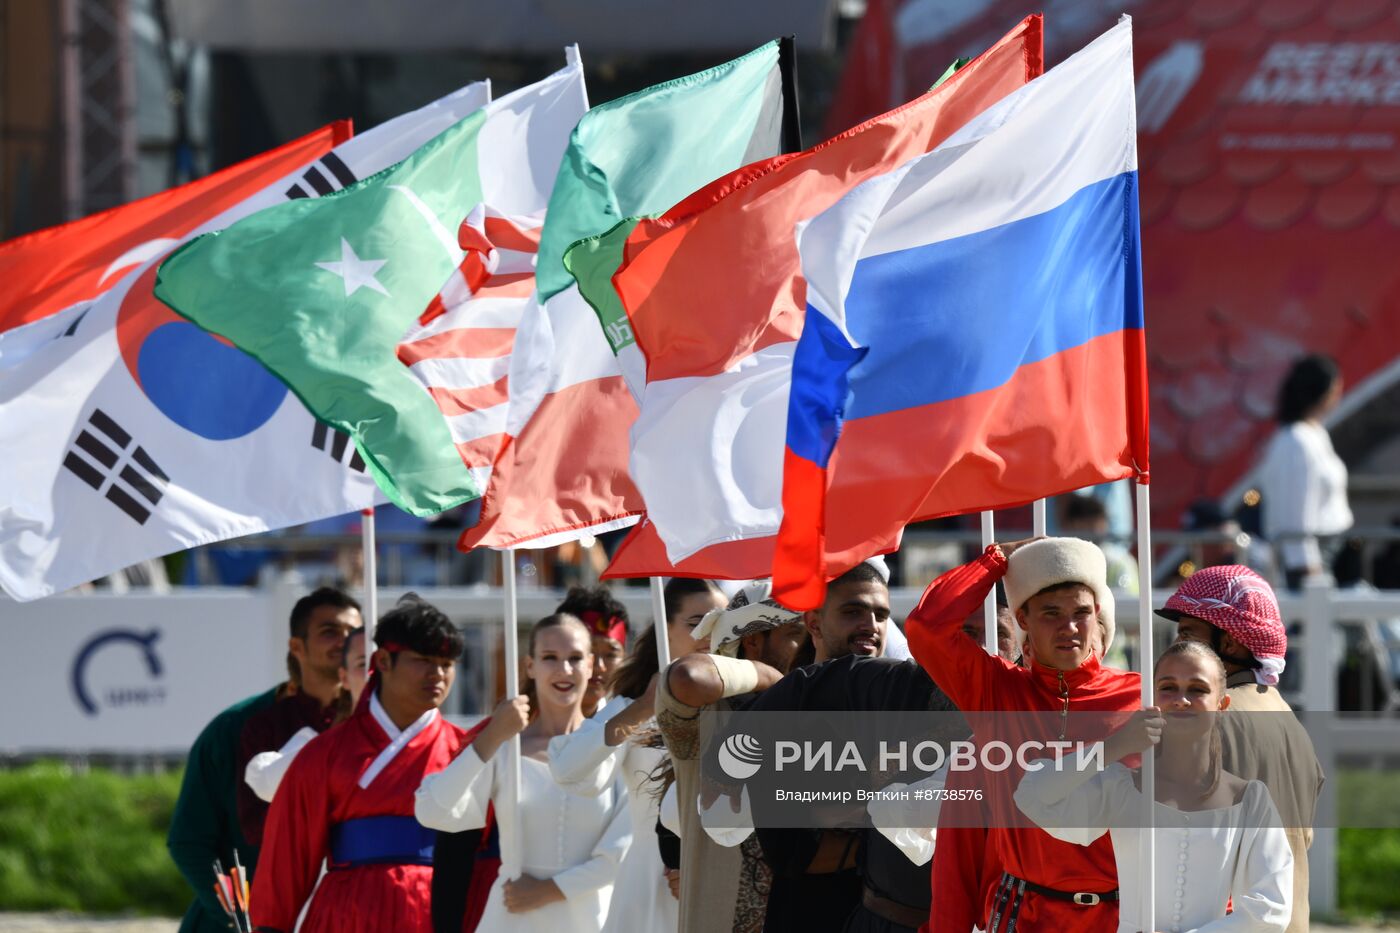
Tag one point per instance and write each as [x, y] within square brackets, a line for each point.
[52, 269]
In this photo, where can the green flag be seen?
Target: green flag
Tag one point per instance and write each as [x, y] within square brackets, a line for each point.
[322, 290]
[951, 70]
[640, 154]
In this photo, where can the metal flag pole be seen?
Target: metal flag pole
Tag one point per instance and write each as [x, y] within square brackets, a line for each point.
[371, 571]
[511, 835]
[989, 607]
[1038, 518]
[663, 629]
[1149, 765]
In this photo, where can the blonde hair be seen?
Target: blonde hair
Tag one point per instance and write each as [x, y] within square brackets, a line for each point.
[1202, 652]
[557, 620]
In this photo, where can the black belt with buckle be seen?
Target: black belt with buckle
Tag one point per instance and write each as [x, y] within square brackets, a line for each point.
[1082, 898]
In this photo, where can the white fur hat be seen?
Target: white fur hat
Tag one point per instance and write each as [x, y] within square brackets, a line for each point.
[1051, 561]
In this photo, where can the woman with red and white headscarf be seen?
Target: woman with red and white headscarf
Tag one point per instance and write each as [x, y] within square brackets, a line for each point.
[1233, 609]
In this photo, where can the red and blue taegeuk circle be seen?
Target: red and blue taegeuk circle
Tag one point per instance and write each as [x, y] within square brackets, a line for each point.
[201, 382]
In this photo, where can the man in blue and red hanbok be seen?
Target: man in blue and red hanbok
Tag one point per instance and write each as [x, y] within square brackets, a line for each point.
[348, 797]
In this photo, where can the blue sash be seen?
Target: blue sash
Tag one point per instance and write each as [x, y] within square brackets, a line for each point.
[381, 840]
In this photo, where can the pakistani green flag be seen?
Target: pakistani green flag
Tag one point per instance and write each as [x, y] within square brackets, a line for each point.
[321, 291]
[641, 154]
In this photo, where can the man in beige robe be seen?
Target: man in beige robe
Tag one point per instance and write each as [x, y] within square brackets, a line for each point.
[1234, 610]
[752, 645]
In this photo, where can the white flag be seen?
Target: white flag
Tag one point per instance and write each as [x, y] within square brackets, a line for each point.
[129, 433]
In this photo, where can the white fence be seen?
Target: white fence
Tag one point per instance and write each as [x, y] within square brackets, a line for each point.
[142, 674]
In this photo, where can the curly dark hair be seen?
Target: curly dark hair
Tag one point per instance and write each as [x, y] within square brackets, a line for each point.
[591, 603]
[419, 626]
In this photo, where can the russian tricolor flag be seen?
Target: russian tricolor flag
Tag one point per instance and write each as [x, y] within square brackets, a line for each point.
[715, 298]
[974, 328]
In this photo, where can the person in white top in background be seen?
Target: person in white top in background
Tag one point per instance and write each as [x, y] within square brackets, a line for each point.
[621, 739]
[1218, 838]
[1302, 480]
[571, 846]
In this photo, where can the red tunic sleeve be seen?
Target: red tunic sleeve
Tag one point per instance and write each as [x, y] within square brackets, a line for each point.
[960, 667]
[964, 865]
[294, 840]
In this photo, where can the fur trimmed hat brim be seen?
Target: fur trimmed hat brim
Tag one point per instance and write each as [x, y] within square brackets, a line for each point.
[1052, 561]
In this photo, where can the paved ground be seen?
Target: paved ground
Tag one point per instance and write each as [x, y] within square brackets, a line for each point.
[68, 923]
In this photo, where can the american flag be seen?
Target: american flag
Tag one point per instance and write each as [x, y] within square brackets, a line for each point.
[461, 345]
[532, 393]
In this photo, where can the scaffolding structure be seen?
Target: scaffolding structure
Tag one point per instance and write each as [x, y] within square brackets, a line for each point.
[98, 99]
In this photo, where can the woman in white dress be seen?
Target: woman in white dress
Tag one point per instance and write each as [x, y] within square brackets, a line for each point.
[570, 847]
[1303, 481]
[616, 742]
[1218, 837]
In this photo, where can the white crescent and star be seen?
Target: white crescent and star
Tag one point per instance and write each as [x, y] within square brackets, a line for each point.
[357, 273]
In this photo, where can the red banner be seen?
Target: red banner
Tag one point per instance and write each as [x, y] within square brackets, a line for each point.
[49, 270]
[1269, 147]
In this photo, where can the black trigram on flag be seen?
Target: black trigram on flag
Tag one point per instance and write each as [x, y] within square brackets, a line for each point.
[107, 458]
[317, 181]
[339, 442]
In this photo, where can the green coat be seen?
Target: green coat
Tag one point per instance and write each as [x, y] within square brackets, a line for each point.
[205, 824]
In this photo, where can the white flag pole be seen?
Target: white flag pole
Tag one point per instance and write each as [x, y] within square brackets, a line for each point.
[1149, 769]
[663, 629]
[989, 607]
[511, 835]
[371, 581]
[1038, 518]
[572, 57]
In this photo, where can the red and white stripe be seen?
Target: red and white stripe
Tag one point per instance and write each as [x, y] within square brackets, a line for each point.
[533, 395]
[460, 348]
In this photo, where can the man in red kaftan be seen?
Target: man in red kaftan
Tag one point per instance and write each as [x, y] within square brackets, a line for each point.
[1058, 591]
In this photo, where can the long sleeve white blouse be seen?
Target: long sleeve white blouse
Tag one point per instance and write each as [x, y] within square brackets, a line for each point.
[1304, 484]
[1203, 859]
[577, 842]
[583, 763]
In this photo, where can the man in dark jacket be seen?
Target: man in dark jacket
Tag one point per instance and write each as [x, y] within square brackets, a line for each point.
[205, 824]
